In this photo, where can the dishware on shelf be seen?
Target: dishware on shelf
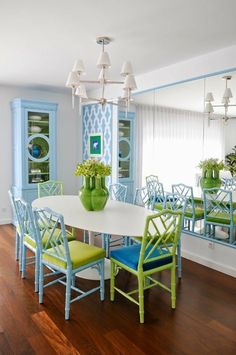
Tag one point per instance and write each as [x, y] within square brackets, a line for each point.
[121, 134]
[121, 124]
[35, 129]
[35, 118]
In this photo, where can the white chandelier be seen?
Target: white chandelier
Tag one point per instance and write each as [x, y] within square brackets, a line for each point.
[209, 107]
[75, 82]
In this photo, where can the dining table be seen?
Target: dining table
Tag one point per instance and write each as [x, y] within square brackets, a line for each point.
[117, 218]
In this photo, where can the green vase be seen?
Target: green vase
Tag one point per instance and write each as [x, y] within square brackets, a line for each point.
[99, 195]
[103, 183]
[210, 179]
[85, 194]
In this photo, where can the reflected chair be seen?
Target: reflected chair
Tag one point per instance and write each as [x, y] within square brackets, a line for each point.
[65, 257]
[218, 211]
[156, 253]
[192, 212]
[151, 182]
[230, 184]
[50, 188]
[16, 219]
[117, 192]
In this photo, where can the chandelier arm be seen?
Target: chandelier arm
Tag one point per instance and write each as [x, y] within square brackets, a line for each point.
[113, 82]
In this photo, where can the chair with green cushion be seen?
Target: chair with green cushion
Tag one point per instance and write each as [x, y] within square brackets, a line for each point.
[16, 219]
[65, 257]
[28, 238]
[219, 211]
[156, 253]
[50, 188]
[192, 212]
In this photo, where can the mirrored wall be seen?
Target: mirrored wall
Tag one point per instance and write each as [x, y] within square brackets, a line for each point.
[181, 125]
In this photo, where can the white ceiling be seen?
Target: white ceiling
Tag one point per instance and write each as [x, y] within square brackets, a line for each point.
[39, 40]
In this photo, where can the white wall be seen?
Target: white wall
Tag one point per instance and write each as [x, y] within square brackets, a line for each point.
[69, 141]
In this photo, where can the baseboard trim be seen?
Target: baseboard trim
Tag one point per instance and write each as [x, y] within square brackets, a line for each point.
[209, 263]
[5, 221]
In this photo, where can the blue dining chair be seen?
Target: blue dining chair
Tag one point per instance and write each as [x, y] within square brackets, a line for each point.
[230, 184]
[117, 192]
[16, 219]
[219, 211]
[151, 182]
[192, 212]
[156, 253]
[65, 257]
[50, 188]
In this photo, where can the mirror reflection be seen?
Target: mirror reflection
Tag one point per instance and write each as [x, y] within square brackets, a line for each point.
[183, 125]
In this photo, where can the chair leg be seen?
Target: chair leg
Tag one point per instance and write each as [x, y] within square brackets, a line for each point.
[41, 281]
[101, 272]
[17, 246]
[36, 281]
[179, 259]
[112, 282]
[68, 292]
[173, 287]
[23, 261]
[141, 298]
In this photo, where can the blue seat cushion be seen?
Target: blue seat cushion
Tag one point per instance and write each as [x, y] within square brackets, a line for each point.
[130, 257]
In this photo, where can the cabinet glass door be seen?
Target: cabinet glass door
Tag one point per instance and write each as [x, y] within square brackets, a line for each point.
[38, 147]
[124, 149]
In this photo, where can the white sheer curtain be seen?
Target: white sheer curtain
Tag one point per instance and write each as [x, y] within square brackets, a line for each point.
[170, 143]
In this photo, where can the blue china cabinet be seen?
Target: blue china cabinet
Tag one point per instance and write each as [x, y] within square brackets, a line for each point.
[126, 151]
[34, 145]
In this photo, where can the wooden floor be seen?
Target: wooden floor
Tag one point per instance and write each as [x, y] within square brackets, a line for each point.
[204, 321]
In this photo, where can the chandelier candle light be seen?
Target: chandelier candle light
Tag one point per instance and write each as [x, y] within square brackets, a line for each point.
[75, 82]
[209, 108]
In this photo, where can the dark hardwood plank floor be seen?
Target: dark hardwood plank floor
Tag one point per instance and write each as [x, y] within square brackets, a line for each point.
[204, 321]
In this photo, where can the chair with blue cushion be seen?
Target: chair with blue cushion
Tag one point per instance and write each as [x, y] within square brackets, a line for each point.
[16, 219]
[219, 211]
[192, 212]
[65, 257]
[50, 188]
[156, 253]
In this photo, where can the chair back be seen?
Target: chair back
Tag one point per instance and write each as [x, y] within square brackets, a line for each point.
[50, 188]
[175, 202]
[13, 205]
[151, 183]
[118, 192]
[187, 193]
[230, 184]
[160, 238]
[50, 226]
[26, 219]
[143, 198]
[218, 206]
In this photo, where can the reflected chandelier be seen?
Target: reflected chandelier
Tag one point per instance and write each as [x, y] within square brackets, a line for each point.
[75, 82]
[209, 107]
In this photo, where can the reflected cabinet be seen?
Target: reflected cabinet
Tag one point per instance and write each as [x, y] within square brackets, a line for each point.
[126, 151]
[34, 145]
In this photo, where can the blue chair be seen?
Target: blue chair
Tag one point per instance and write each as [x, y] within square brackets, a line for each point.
[156, 253]
[230, 184]
[218, 211]
[144, 198]
[65, 257]
[151, 182]
[192, 213]
[18, 231]
[117, 192]
[50, 188]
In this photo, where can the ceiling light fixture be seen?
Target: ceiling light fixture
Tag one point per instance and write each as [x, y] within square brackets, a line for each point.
[209, 107]
[76, 83]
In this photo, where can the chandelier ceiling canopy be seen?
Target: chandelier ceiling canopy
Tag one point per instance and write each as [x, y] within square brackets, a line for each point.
[225, 103]
[76, 82]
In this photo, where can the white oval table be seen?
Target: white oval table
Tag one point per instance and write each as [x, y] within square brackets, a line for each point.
[117, 218]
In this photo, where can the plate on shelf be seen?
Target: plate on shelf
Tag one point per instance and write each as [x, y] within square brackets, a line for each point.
[35, 129]
[121, 124]
[35, 118]
[121, 134]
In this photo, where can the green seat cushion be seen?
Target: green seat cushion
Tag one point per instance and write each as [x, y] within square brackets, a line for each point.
[199, 213]
[222, 218]
[29, 240]
[159, 206]
[80, 254]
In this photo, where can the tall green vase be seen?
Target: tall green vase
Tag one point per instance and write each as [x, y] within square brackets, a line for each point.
[85, 194]
[210, 179]
[99, 195]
